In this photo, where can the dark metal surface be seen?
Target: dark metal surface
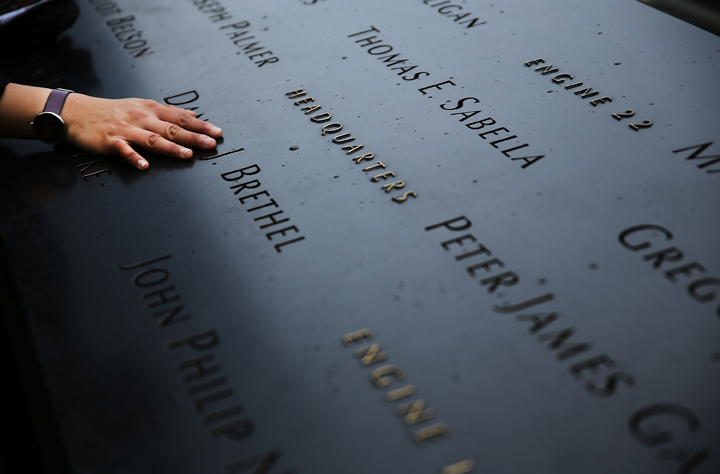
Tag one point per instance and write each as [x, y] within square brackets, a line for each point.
[536, 337]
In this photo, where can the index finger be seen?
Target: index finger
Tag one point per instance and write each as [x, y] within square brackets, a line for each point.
[187, 121]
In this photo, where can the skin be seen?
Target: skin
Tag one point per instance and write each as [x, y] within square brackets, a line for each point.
[110, 126]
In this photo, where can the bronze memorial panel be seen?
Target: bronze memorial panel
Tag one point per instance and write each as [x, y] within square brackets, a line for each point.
[438, 237]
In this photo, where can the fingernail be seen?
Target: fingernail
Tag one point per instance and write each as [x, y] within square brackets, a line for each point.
[142, 164]
[216, 130]
[186, 152]
[207, 141]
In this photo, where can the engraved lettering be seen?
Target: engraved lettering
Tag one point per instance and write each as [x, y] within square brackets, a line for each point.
[670, 254]
[705, 297]
[295, 93]
[538, 322]
[230, 175]
[344, 138]
[462, 467]
[352, 148]
[512, 308]
[287, 242]
[271, 217]
[160, 297]
[437, 86]
[281, 232]
[546, 69]
[503, 279]
[395, 184]
[201, 341]
[415, 412]
[457, 240]
[400, 393]
[452, 224]
[558, 341]
[560, 78]
[336, 128]
[170, 316]
[713, 159]
[370, 354]
[143, 264]
[356, 336]
[380, 377]
[404, 196]
[601, 100]
[632, 230]
[323, 117]
[684, 270]
[431, 433]
[151, 277]
[246, 185]
[654, 437]
[484, 265]
[384, 175]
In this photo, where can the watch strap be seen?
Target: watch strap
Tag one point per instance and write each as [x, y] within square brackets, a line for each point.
[56, 100]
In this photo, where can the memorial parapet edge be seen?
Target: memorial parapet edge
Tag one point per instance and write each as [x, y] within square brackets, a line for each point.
[438, 237]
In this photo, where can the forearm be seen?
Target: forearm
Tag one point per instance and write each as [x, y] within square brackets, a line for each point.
[18, 107]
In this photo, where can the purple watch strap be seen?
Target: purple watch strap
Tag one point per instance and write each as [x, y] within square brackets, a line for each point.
[56, 100]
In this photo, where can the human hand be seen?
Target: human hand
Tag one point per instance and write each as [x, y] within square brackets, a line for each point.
[110, 126]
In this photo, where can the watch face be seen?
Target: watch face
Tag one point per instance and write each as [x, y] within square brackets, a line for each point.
[49, 127]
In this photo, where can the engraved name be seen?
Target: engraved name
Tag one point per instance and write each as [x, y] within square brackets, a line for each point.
[249, 44]
[261, 201]
[213, 9]
[453, 11]
[383, 52]
[496, 136]
[203, 377]
[479, 261]
[237, 32]
[123, 28]
[695, 155]
[649, 237]
[656, 426]
[343, 138]
[213, 398]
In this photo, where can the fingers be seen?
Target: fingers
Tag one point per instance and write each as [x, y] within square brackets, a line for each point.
[178, 134]
[187, 120]
[151, 142]
[158, 144]
[179, 126]
[123, 149]
[186, 111]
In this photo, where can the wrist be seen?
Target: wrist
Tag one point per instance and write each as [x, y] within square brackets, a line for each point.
[49, 125]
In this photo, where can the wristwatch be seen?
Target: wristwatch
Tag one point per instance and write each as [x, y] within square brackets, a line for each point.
[48, 126]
